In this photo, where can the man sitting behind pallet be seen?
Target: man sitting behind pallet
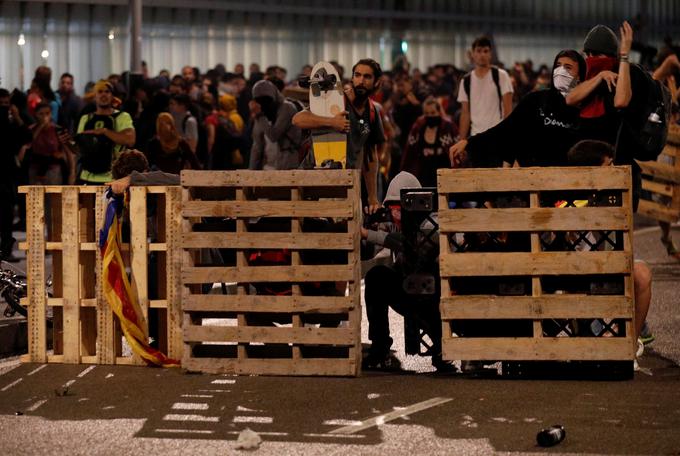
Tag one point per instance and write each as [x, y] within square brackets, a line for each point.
[599, 153]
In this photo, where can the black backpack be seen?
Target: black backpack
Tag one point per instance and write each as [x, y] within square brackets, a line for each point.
[496, 80]
[649, 130]
[96, 151]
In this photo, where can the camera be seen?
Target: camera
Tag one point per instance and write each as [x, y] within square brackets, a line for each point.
[382, 215]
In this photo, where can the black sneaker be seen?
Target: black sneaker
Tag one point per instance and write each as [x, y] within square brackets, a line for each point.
[385, 363]
[444, 367]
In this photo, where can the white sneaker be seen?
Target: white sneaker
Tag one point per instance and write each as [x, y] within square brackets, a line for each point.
[640, 348]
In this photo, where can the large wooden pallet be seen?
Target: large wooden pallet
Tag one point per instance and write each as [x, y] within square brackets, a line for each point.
[312, 326]
[661, 179]
[64, 222]
[508, 291]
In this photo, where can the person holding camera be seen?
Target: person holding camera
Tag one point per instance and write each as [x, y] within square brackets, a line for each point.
[101, 137]
[49, 160]
[384, 284]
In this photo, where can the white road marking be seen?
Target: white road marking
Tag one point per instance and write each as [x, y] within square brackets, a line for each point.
[253, 419]
[387, 417]
[35, 406]
[177, 417]
[203, 396]
[37, 369]
[335, 436]
[214, 391]
[261, 433]
[86, 371]
[108, 375]
[69, 383]
[189, 406]
[11, 384]
[342, 422]
[223, 381]
[185, 431]
[246, 409]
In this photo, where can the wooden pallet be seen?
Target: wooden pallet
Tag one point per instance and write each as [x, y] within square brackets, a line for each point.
[661, 179]
[511, 300]
[64, 222]
[251, 331]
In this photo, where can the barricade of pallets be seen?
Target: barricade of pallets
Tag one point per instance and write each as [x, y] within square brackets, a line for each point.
[63, 222]
[285, 247]
[661, 182]
[535, 262]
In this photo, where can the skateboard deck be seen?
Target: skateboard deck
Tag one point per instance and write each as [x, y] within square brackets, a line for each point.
[326, 99]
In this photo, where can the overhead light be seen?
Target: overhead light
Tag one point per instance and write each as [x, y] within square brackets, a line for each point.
[45, 53]
[404, 46]
[22, 40]
[111, 35]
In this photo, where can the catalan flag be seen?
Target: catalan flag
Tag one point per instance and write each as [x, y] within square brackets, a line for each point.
[117, 290]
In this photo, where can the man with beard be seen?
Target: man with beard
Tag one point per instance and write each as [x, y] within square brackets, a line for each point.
[102, 135]
[362, 123]
[71, 104]
[276, 141]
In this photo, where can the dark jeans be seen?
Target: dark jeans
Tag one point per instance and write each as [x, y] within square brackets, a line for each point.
[383, 290]
[7, 199]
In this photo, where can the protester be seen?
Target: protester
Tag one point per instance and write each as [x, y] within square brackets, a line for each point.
[168, 152]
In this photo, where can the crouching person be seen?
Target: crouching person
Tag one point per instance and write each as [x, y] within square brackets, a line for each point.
[384, 288]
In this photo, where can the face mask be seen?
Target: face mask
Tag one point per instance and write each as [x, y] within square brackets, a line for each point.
[563, 81]
[433, 121]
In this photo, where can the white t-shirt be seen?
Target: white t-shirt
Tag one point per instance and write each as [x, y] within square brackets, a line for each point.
[484, 112]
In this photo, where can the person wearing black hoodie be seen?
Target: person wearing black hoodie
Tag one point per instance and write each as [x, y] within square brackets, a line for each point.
[538, 132]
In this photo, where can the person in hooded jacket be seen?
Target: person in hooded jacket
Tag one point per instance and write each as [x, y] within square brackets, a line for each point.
[277, 142]
[384, 286]
[538, 132]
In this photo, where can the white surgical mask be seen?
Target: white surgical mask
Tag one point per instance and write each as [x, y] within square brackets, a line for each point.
[563, 81]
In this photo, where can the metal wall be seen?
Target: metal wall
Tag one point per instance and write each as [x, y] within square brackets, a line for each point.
[292, 33]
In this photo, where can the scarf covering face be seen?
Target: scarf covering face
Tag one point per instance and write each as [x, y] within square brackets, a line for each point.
[595, 105]
[167, 132]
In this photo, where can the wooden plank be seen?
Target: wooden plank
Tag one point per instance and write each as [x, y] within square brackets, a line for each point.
[658, 211]
[71, 275]
[244, 274]
[269, 335]
[534, 219]
[173, 227]
[60, 188]
[354, 225]
[249, 178]
[337, 209]
[197, 240]
[106, 340]
[139, 244]
[267, 304]
[35, 235]
[671, 150]
[535, 307]
[660, 171]
[536, 286]
[657, 187]
[475, 180]
[524, 263]
[546, 348]
[309, 366]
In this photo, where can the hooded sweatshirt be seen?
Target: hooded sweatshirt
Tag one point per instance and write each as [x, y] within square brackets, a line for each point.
[276, 144]
[538, 132]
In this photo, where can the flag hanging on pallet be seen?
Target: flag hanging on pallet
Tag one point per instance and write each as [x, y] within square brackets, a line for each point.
[117, 290]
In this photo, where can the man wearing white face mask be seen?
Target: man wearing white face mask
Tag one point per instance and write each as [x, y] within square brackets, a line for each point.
[538, 132]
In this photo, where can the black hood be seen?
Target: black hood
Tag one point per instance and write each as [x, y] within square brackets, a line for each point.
[574, 55]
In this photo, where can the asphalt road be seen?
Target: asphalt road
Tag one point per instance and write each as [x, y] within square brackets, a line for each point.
[117, 409]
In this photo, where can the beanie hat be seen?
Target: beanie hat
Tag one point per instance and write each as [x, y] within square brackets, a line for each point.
[601, 40]
[402, 180]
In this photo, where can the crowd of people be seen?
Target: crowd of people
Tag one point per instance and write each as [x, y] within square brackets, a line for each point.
[399, 121]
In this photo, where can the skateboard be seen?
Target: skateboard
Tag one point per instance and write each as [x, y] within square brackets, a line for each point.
[326, 99]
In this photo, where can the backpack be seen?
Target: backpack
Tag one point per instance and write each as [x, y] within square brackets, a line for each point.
[96, 151]
[650, 130]
[495, 75]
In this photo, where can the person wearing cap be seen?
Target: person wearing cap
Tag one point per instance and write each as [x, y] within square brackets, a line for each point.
[538, 132]
[122, 133]
[384, 286]
[612, 98]
[277, 142]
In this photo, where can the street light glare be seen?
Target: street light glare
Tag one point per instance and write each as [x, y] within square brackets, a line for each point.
[45, 53]
[21, 41]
